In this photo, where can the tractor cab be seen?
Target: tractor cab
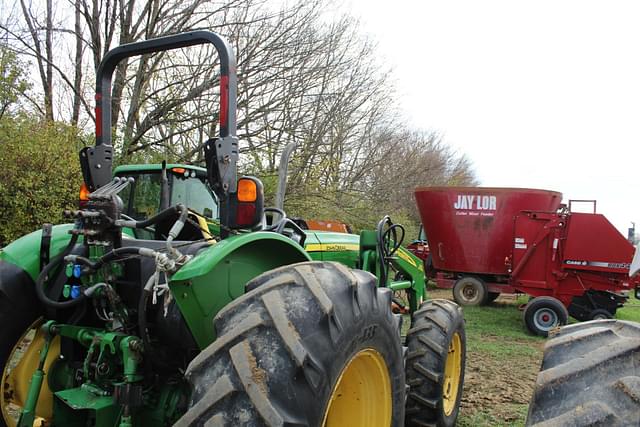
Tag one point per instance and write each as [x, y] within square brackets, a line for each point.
[155, 188]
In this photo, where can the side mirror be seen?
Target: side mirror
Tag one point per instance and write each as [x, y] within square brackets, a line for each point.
[246, 205]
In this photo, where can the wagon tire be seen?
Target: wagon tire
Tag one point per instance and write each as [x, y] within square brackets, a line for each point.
[589, 376]
[469, 291]
[542, 314]
[436, 356]
[312, 343]
[600, 314]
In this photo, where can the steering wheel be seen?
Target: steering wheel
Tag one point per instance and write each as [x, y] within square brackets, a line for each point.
[274, 224]
[388, 241]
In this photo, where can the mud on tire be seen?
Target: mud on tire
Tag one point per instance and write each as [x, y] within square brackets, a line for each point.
[281, 348]
[433, 330]
[590, 376]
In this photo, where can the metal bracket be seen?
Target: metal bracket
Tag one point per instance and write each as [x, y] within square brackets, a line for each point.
[221, 155]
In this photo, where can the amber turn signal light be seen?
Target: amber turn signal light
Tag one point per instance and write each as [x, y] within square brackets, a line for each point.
[84, 192]
[247, 190]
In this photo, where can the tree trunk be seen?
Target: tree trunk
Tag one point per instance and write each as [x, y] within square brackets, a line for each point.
[77, 81]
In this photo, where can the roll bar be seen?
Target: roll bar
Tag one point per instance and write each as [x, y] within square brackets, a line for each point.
[96, 162]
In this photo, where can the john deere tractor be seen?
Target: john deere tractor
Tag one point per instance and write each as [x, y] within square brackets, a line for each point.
[191, 307]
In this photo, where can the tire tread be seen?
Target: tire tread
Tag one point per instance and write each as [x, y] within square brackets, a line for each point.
[589, 376]
[260, 325]
[428, 339]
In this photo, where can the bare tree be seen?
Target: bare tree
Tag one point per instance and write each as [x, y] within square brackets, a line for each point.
[302, 77]
[42, 54]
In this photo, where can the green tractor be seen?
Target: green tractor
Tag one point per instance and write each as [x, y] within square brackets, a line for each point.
[180, 304]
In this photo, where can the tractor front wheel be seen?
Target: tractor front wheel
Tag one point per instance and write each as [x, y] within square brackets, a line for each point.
[542, 314]
[435, 364]
[312, 344]
[590, 376]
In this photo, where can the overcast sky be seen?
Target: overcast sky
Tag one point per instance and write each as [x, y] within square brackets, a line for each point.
[538, 94]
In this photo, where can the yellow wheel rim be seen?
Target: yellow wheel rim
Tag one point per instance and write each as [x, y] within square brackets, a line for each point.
[17, 372]
[452, 371]
[362, 395]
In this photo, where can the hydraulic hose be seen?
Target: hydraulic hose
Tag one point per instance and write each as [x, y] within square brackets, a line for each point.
[40, 293]
[142, 313]
[110, 256]
[167, 213]
[176, 229]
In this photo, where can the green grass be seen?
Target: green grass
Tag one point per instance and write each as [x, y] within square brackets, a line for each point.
[630, 311]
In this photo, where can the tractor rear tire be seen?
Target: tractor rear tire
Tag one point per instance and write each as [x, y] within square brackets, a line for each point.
[312, 344]
[436, 358]
[590, 376]
[542, 314]
[469, 291]
[19, 309]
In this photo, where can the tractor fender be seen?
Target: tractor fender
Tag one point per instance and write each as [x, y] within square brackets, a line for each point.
[217, 275]
[25, 251]
[20, 267]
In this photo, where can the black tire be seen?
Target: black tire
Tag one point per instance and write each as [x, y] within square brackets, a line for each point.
[590, 376]
[470, 291]
[492, 296]
[429, 342]
[600, 314]
[282, 347]
[16, 315]
[429, 270]
[542, 314]
[19, 309]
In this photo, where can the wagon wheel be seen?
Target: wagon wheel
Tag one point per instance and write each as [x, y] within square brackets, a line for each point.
[542, 314]
[599, 314]
[470, 291]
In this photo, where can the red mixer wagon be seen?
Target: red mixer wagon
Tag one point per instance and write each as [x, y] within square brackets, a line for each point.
[487, 241]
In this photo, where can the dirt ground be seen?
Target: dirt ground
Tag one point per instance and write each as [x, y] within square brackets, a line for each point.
[501, 391]
[500, 372]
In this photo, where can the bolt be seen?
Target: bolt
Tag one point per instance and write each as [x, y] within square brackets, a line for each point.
[135, 345]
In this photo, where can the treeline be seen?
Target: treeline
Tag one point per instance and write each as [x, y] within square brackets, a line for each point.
[306, 74]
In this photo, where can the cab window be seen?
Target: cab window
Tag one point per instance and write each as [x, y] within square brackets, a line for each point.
[142, 199]
[146, 196]
[195, 194]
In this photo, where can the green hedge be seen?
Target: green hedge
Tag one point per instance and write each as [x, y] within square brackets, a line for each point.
[39, 174]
